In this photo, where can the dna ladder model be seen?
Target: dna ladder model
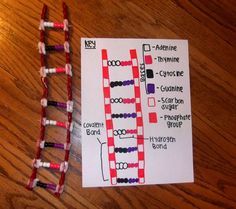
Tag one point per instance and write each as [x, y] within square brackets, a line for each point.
[119, 171]
[45, 72]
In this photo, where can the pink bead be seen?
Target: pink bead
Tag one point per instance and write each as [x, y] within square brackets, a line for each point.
[58, 25]
[61, 124]
[54, 165]
[60, 70]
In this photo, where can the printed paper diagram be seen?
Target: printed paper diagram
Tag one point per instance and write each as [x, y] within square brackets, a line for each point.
[136, 112]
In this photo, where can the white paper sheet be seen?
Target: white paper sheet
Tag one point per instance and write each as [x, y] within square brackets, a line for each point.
[136, 112]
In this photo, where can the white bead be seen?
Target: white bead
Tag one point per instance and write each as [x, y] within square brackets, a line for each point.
[44, 120]
[44, 102]
[52, 122]
[59, 189]
[43, 72]
[45, 164]
[41, 145]
[67, 146]
[67, 47]
[36, 163]
[52, 70]
[34, 182]
[64, 167]
[41, 25]
[69, 106]
[41, 47]
[65, 22]
[68, 69]
[48, 24]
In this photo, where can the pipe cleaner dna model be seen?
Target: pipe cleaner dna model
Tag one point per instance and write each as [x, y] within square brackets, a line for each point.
[67, 106]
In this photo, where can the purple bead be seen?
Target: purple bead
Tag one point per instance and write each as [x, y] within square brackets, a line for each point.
[61, 105]
[51, 186]
[134, 115]
[59, 47]
[58, 145]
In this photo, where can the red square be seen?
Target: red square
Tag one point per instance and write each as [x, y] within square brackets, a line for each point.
[138, 107]
[112, 157]
[110, 141]
[135, 72]
[113, 173]
[105, 72]
[139, 121]
[133, 53]
[140, 173]
[148, 59]
[107, 108]
[137, 91]
[140, 155]
[140, 139]
[106, 92]
[109, 124]
[152, 117]
[104, 54]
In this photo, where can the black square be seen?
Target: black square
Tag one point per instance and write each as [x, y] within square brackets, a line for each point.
[149, 73]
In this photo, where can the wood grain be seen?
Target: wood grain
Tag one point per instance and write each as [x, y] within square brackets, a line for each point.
[210, 27]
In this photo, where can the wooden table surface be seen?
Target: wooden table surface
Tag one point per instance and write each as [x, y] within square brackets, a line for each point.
[210, 28]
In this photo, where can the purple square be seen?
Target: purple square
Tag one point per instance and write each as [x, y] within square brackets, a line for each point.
[151, 88]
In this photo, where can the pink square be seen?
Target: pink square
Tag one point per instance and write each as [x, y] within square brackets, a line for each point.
[148, 59]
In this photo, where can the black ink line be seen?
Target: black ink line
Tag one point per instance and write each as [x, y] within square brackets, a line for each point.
[127, 137]
[102, 159]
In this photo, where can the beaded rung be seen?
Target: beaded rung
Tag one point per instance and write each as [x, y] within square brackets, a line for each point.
[45, 71]
[50, 186]
[62, 167]
[66, 125]
[42, 48]
[68, 105]
[65, 146]
[43, 24]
